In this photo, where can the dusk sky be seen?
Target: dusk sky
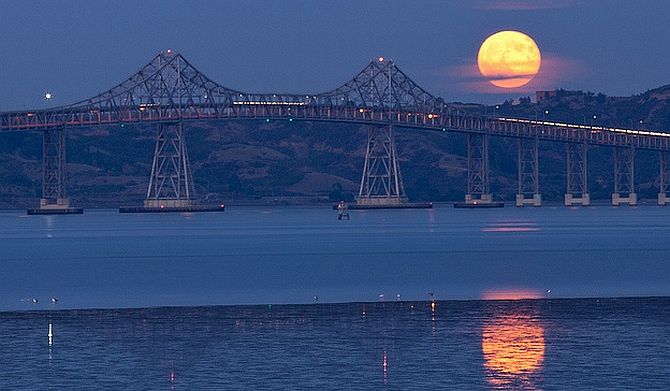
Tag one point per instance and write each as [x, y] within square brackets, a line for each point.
[77, 49]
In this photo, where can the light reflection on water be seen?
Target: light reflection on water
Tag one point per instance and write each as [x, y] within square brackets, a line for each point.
[513, 346]
[511, 226]
[512, 294]
[521, 344]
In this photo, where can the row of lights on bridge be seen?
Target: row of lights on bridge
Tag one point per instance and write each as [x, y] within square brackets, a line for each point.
[48, 95]
[546, 113]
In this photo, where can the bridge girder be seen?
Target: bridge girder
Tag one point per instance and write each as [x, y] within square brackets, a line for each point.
[169, 89]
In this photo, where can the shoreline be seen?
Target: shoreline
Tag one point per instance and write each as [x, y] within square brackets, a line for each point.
[329, 205]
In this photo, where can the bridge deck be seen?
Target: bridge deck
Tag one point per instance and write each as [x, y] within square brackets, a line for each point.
[498, 126]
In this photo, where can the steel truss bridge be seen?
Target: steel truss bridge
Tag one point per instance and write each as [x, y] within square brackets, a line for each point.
[170, 92]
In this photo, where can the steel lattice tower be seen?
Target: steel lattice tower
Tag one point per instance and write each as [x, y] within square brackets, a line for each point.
[170, 184]
[381, 183]
[577, 191]
[478, 169]
[53, 170]
[663, 178]
[624, 177]
[528, 172]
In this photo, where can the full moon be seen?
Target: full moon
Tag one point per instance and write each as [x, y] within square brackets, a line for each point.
[509, 59]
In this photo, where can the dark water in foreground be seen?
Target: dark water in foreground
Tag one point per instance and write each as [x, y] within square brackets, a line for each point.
[606, 344]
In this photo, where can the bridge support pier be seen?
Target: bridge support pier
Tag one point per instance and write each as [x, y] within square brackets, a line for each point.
[54, 194]
[624, 177]
[577, 170]
[381, 184]
[170, 184]
[528, 192]
[479, 191]
[663, 179]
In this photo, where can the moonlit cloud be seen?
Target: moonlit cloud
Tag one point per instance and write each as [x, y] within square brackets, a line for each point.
[554, 73]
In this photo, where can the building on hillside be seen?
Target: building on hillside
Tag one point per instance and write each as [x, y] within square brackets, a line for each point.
[541, 96]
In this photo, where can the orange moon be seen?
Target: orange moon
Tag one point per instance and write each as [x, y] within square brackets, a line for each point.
[509, 59]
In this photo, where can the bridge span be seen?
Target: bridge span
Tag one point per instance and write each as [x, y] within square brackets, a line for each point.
[169, 92]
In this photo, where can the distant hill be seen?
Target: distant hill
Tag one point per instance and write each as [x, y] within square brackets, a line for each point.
[281, 161]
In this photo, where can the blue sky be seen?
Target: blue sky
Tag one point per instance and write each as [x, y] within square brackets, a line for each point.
[80, 48]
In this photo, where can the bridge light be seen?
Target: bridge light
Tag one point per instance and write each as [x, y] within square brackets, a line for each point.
[48, 95]
[290, 120]
[169, 51]
[361, 110]
[381, 59]
[267, 120]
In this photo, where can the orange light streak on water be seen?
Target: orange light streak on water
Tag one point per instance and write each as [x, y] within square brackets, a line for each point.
[513, 347]
[512, 294]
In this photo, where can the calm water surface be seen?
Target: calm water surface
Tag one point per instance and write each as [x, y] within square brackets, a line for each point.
[570, 344]
[289, 255]
[385, 263]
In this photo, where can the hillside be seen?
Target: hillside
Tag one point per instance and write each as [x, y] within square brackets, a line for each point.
[281, 161]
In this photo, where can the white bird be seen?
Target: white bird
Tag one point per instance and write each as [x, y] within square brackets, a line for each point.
[54, 300]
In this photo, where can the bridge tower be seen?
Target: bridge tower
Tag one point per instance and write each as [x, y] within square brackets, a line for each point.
[381, 184]
[663, 179]
[54, 192]
[528, 168]
[577, 180]
[624, 177]
[170, 184]
[479, 191]
[54, 195]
